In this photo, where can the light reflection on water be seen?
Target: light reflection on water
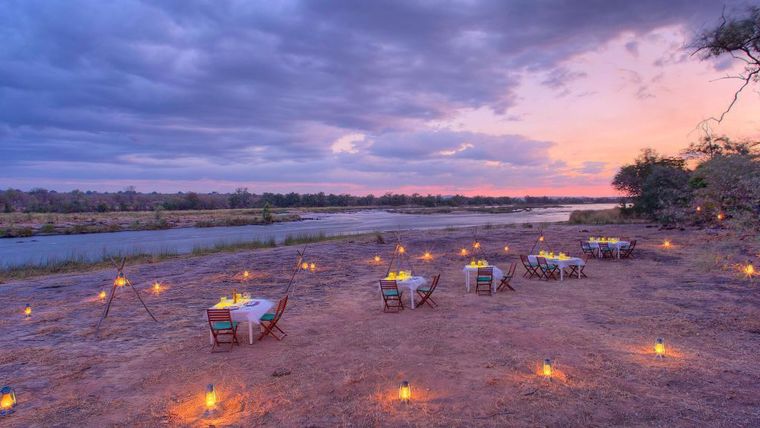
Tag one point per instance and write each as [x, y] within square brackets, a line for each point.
[15, 251]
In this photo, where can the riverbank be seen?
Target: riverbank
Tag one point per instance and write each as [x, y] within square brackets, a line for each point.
[14, 225]
[343, 358]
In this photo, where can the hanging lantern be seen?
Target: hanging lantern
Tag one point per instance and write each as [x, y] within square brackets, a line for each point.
[476, 245]
[699, 209]
[405, 392]
[720, 216]
[120, 280]
[7, 400]
[463, 252]
[102, 295]
[246, 274]
[666, 243]
[28, 310]
[506, 248]
[313, 267]
[659, 347]
[401, 249]
[377, 259]
[211, 398]
[546, 368]
[304, 266]
[749, 270]
[541, 238]
[427, 256]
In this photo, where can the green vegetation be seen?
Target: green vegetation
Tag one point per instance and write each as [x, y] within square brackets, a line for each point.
[610, 216]
[305, 238]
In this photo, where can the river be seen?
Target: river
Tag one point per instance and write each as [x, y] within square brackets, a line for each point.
[45, 249]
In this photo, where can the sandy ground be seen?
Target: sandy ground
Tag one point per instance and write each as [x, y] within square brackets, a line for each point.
[473, 361]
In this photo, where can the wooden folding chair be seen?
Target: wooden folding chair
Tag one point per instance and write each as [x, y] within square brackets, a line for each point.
[425, 293]
[606, 251]
[573, 270]
[625, 252]
[391, 296]
[548, 271]
[484, 281]
[268, 322]
[221, 324]
[587, 249]
[508, 277]
[531, 269]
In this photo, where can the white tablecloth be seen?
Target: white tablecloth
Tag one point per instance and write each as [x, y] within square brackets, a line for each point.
[615, 246]
[562, 263]
[411, 283]
[249, 314]
[497, 275]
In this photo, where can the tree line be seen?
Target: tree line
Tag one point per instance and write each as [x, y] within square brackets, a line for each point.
[50, 201]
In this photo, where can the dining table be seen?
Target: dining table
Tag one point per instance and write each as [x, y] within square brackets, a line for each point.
[561, 262]
[245, 310]
[497, 275]
[616, 245]
[412, 283]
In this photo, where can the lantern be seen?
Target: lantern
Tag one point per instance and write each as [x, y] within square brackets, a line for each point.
[427, 256]
[666, 243]
[659, 347]
[28, 310]
[156, 287]
[102, 295]
[313, 267]
[546, 368]
[304, 266]
[541, 238]
[699, 209]
[120, 280]
[211, 397]
[401, 249]
[749, 270]
[463, 252]
[246, 274]
[377, 259]
[476, 245]
[720, 216]
[506, 248]
[405, 392]
[7, 400]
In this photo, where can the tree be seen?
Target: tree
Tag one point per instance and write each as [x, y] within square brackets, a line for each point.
[739, 38]
[240, 199]
[709, 147]
[266, 214]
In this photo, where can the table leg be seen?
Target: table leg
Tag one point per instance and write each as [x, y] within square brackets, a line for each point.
[210, 337]
[561, 274]
[467, 280]
[250, 332]
[411, 297]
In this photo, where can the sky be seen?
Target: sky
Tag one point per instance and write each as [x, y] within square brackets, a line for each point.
[546, 97]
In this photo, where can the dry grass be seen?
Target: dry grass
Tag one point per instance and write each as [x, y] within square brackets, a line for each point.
[600, 217]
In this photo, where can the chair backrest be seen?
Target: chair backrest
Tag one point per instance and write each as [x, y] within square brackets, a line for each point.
[388, 284]
[542, 262]
[217, 315]
[280, 308]
[511, 271]
[485, 274]
[603, 246]
[632, 245]
[434, 284]
[586, 247]
[525, 261]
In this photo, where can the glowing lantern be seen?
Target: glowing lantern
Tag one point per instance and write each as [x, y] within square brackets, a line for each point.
[699, 209]
[28, 310]
[405, 392]
[463, 252]
[427, 256]
[246, 275]
[659, 347]
[304, 266]
[546, 368]
[541, 238]
[313, 267]
[401, 249]
[102, 295]
[749, 270]
[720, 216]
[156, 287]
[7, 400]
[476, 245]
[666, 243]
[120, 280]
[506, 248]
[211, 397]
[377, 259]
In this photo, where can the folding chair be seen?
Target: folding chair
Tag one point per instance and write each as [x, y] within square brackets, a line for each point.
[269, 321]
[587, 249]
[484, 281]
[425, 293]
[508, 277]
[573, 271]
[606, 251]
[549, 271]
[531, 269]
[221, 324]
[625, 252]
[391, 296]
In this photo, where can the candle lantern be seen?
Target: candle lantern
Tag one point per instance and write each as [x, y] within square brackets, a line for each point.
[463, 252]
[102, 295]
[666, 243]
[246, 274]
[506, 248]
[156, 287]
[401, 249]
[313, 267]
[541, 238]
[659, 347]
[405, 392]
[304, 266]
[28, 310]
[120, 280]
[377, 259]
[476, 245]
[546, 368]
[427, 256]
[720, 216]
[211, 398]
[749, 270]
[699, 209]
[7, 400]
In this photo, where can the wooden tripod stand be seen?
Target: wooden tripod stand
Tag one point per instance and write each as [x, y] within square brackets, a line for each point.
[399, 253]
[121, 281]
